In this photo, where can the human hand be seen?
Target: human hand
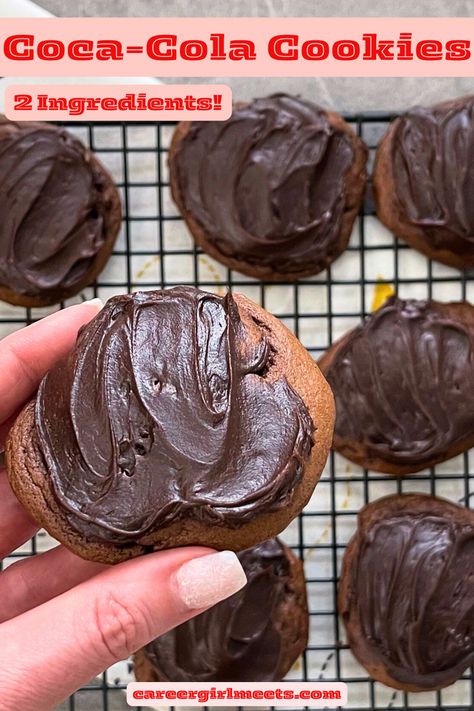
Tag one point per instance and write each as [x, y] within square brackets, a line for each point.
[64, 620]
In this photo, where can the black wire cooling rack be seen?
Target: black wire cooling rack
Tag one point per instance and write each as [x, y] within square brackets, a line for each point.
[155, 250]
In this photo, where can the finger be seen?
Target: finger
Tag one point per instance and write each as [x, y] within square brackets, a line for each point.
[16, 527]
[27, 354]
[105, 619]
[31, 581]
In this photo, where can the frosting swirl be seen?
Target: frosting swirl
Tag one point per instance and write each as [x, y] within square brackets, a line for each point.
[411, 589]
[432, 156]
[240, 639]
[268, 186]
[400, 383]
[169, 409]
[53, 207]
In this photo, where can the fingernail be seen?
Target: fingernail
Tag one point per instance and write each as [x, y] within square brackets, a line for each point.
[98, 303]
[204, 581]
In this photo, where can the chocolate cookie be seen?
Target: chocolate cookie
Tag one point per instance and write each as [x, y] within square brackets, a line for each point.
[424, 180]
[274, 191]
[60, 213]
[180, 418]
[255, 635]
[407, 591]
[402, 383]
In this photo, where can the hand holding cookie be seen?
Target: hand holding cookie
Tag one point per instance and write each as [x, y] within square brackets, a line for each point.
[106, 613]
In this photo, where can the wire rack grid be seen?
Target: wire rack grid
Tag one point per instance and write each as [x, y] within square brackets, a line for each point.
[154, 250]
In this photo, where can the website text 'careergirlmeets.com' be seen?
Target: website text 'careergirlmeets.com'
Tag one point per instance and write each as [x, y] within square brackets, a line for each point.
[311, 694]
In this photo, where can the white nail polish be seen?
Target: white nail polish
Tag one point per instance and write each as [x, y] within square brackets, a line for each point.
[204, 581]
[98, 303]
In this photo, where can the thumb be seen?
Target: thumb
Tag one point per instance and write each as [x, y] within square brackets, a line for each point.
[51, 650]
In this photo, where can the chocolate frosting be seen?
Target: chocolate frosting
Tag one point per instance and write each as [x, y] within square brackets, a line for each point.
[167, 409]
[268, 186]
[412, 591]
[240, 639]
[403, 381]
[52, 209]
[433, 157]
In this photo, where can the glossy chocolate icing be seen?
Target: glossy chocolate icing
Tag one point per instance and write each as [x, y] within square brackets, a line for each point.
[52, 209]
[412, 590]
[403, 381]
[168, 409]
[432, 153]
[240, 639]
[268, 185]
